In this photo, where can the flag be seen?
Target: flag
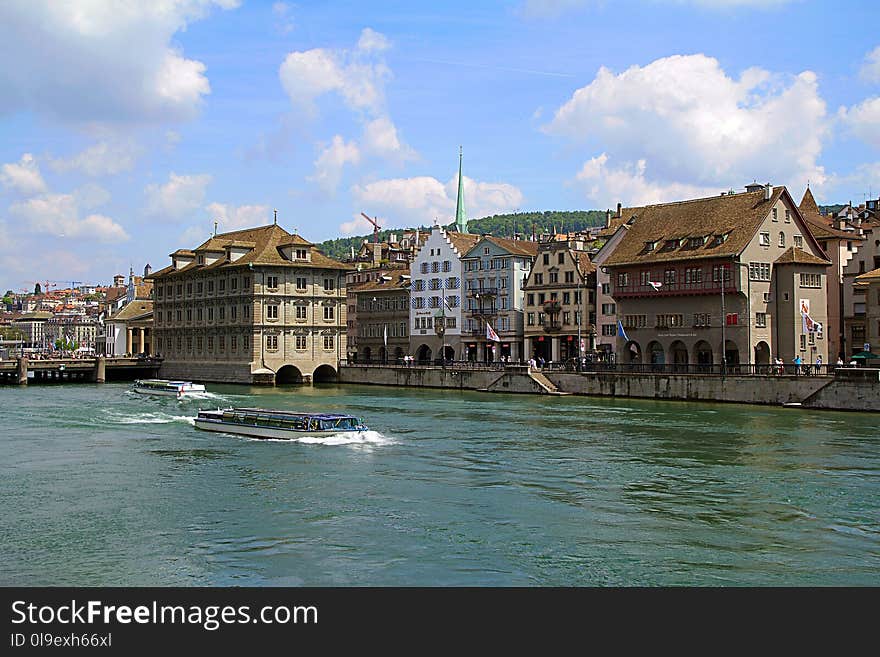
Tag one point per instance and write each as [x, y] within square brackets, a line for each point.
[810, 325]
[446, 302]
[621, 332]
[656, 285]
[491, 334]
[385, 335]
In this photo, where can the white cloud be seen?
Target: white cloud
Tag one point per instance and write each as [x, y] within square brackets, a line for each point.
[691, 126]
[283, 19]
[101, 61]
[232, 217]
[332, 160]
[179, 196]
[58, 214]
[358, 76]
[871, 68]
[371, 41]
[863, 120]
[100, 159]
[381, 139]
[24, 177]
[421, 200]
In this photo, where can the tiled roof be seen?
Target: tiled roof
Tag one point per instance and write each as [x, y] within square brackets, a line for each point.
[737, 215]
[137, 309]
[869, 277]
[267, 241]
[796, 256]
[818, 224]
[808, 204]
[397, 283]
[585, 265]
[517, 247]
[463, 242]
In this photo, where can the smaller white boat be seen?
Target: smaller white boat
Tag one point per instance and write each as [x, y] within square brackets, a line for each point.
[170, 388]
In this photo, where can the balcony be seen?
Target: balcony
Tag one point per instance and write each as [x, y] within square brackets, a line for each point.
[482, 312]
[483, 292]
[552, 327]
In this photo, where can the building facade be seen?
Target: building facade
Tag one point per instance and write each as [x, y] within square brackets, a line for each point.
[436, 295]
[736, 278]
[559, 308]
[259, 305]
[869, 285]
[383, 324]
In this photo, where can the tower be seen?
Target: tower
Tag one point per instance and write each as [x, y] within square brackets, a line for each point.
[460, 213]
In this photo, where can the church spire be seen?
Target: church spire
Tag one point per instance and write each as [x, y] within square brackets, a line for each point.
[460, 213]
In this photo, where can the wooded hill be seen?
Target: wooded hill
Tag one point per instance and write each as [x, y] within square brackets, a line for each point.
[499, 225]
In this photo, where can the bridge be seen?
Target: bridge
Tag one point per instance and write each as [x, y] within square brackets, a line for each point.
[21, 371]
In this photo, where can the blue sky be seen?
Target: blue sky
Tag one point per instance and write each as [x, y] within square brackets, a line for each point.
[127, 128]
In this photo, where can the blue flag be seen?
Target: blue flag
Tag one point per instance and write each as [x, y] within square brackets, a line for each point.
[621, 332]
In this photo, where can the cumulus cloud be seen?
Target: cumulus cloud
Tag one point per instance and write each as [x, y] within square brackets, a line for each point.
[380, 138]
[179, 196]
[283, 19]
[863, 120]
[59, 215]
[871, 68]
[332, 160]
[357, 76]
[682, 123]
[422, 199]
[101, 61]
[23, 177]
[236, 217]
[101, 159]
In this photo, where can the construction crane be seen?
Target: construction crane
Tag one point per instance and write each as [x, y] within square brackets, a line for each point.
[375, 227]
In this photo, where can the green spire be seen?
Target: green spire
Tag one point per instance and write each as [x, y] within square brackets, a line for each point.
[460, 213]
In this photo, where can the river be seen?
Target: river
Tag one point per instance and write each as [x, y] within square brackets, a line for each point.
[104, 487]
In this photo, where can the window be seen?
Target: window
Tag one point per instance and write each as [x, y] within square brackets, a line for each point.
[198, 314]
[732, 319]
[199, 343]
[635, 321]
[329, 285]
[247, 311]
[606, 288]
[702, 320]
[716, 273]
[300, 342]
[569, 277]
[803, 341]
[530, 299]
[766, 297]
[799, 241]
[693, 275]
[781, 239]
[539, 279]
[546, 258]
[566, 317]
[222, 285]
[609, 329]
[423, 268]
[189, 288]
[211, 314]
[561, 259]
[233, 343]
[811, 280]
[180, 315]
[300, 254]
[566, 298]
[761, 320]
[486, 250]
[300, 282]
[272, 282]
[530, 319]
[623, 279]
[272, 312]
[759, 271]
[609, 308]
[272, 342]
[669, 277]
[669, 321]
[329, 342]
[329, 312]
[301, 311]
[764, 239]
[541, 317]
[644, 277]
[788, 216]
[554, 277]
[210, 286]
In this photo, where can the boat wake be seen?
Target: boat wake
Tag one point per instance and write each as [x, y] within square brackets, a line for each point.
[364, 438]
[147, 418]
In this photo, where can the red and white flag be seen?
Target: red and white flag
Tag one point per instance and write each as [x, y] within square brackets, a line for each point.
[656, 285]
[491, 334]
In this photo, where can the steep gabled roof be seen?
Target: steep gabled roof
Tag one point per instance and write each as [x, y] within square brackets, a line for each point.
[808, 204]
[462, 242]
[797, 256]
[513, 247]
[726, 224]
[868, 277]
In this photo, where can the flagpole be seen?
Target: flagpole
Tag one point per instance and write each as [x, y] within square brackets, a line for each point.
[723, 324]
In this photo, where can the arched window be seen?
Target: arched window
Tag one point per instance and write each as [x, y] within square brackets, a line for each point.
[781, 238]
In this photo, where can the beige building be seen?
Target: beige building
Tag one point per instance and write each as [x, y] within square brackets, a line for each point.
[129, 332]
[34, 327]
[869, 285]
[560, 310]
[667, 272]
[383, 318]
[259, 305]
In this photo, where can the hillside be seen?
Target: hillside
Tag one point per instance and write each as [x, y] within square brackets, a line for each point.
[500, 225]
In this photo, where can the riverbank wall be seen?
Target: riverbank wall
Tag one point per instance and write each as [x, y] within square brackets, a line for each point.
[860, 393]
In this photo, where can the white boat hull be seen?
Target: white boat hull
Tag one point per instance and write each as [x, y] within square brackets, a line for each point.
[260, 432]
[164, 393]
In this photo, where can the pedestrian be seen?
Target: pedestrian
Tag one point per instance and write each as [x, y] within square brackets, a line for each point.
[818, 363]
[840, 361]
[797, 364]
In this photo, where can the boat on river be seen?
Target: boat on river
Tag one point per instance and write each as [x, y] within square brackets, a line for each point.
[170, 388]
[283, 425]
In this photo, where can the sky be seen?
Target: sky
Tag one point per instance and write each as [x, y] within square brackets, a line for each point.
[128, 128]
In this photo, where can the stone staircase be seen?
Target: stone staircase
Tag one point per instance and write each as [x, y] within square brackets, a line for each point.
[546, 384]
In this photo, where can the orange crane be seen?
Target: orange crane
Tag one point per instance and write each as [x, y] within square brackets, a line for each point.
[375, 227]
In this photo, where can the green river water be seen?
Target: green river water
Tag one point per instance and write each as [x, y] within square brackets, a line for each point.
[100, 486]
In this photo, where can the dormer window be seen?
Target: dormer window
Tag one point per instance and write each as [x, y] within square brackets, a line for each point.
[696, 242]
[721, 238]
[300, 254]
[201, 260]
[650, 246]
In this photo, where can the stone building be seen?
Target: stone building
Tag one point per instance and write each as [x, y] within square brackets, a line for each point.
[869, 286]
[383, 318]
[560, 296]
[667, 273]
[33, 326]
[259, 305]
[128, 332]
[495, 270]
[864, 224]
[365, 275]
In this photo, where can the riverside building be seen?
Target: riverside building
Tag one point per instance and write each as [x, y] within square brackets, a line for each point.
[259, 305]
[559, 308]
[383, 318]
[737, 277]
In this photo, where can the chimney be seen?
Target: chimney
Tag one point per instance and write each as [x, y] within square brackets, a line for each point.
[768, 191]
[618, 210]
[607, 218]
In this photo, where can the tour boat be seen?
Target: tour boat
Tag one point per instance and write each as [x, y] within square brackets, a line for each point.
[268, 423]
[172, 388]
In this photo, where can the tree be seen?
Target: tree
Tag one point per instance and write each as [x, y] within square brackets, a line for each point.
[37, 289]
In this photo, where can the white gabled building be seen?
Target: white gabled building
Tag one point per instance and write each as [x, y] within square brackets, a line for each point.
[435, 295]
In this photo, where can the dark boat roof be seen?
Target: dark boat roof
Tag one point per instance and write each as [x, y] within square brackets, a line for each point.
[272, 411]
